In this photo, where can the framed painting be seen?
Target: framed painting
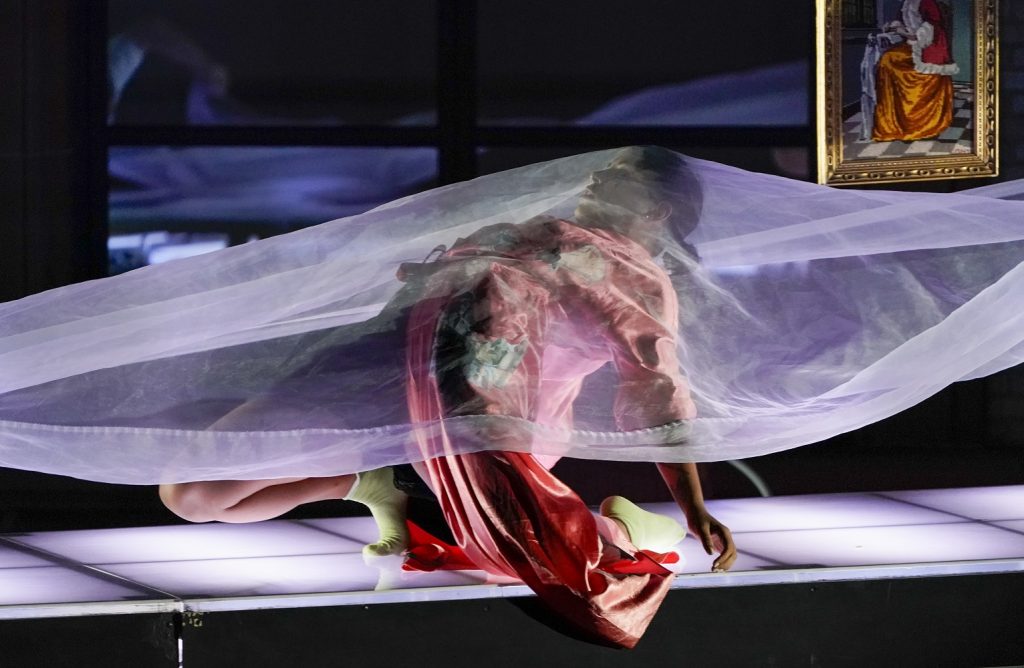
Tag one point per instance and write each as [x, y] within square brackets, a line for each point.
[907, 90]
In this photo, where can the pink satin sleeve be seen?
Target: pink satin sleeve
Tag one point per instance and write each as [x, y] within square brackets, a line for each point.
[642, 340]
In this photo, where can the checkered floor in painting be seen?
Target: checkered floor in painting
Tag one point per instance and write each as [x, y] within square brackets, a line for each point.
[956, 139]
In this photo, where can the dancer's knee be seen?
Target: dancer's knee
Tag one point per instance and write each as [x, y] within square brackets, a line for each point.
[192, 501]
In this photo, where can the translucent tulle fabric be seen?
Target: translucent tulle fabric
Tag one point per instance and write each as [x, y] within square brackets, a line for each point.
[803, 312]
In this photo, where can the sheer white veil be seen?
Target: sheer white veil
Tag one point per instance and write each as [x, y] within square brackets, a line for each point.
[805, 311]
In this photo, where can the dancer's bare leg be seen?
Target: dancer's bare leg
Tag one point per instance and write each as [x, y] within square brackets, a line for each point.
[249, 500]
[256, 500]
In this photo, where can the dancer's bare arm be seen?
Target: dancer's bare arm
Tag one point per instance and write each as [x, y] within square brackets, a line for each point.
[684, 483]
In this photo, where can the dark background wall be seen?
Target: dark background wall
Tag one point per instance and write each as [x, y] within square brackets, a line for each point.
[52, 229]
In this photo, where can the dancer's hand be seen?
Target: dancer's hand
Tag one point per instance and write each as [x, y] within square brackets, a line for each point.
[684, 483]
[714, 536]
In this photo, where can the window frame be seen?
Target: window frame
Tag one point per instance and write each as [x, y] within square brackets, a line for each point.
[457, 135]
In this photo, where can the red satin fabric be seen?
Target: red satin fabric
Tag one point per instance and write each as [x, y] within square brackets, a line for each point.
[509, 515]
[427, 553]
[939, 52]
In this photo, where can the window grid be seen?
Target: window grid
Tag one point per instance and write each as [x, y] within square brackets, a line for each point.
[456, 136]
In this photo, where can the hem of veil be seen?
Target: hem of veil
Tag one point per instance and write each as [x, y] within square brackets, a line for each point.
[675, 433]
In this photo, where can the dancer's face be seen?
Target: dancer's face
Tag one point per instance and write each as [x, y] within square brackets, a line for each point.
[622, 198]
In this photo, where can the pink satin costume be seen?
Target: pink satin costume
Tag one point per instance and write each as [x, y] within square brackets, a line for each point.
[514, 318]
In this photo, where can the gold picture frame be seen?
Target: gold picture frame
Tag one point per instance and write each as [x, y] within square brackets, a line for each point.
[910, 108]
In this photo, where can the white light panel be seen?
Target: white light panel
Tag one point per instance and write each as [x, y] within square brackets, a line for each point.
[819, 511]
[274, 576]
[981, 503]
[14, 558]
[190, 542]
[319, 562]
[56, 584]
[868, 546]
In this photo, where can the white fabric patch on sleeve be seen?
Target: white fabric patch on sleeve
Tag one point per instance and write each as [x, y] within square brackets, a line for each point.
[585, 261]
[490, 363]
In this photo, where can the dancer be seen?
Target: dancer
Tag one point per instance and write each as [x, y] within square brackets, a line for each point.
[500, 325]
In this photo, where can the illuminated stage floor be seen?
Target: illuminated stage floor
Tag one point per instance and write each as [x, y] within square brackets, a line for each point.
[312, 563]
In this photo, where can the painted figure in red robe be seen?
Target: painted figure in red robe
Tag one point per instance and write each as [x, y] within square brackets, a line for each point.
[914, 84]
